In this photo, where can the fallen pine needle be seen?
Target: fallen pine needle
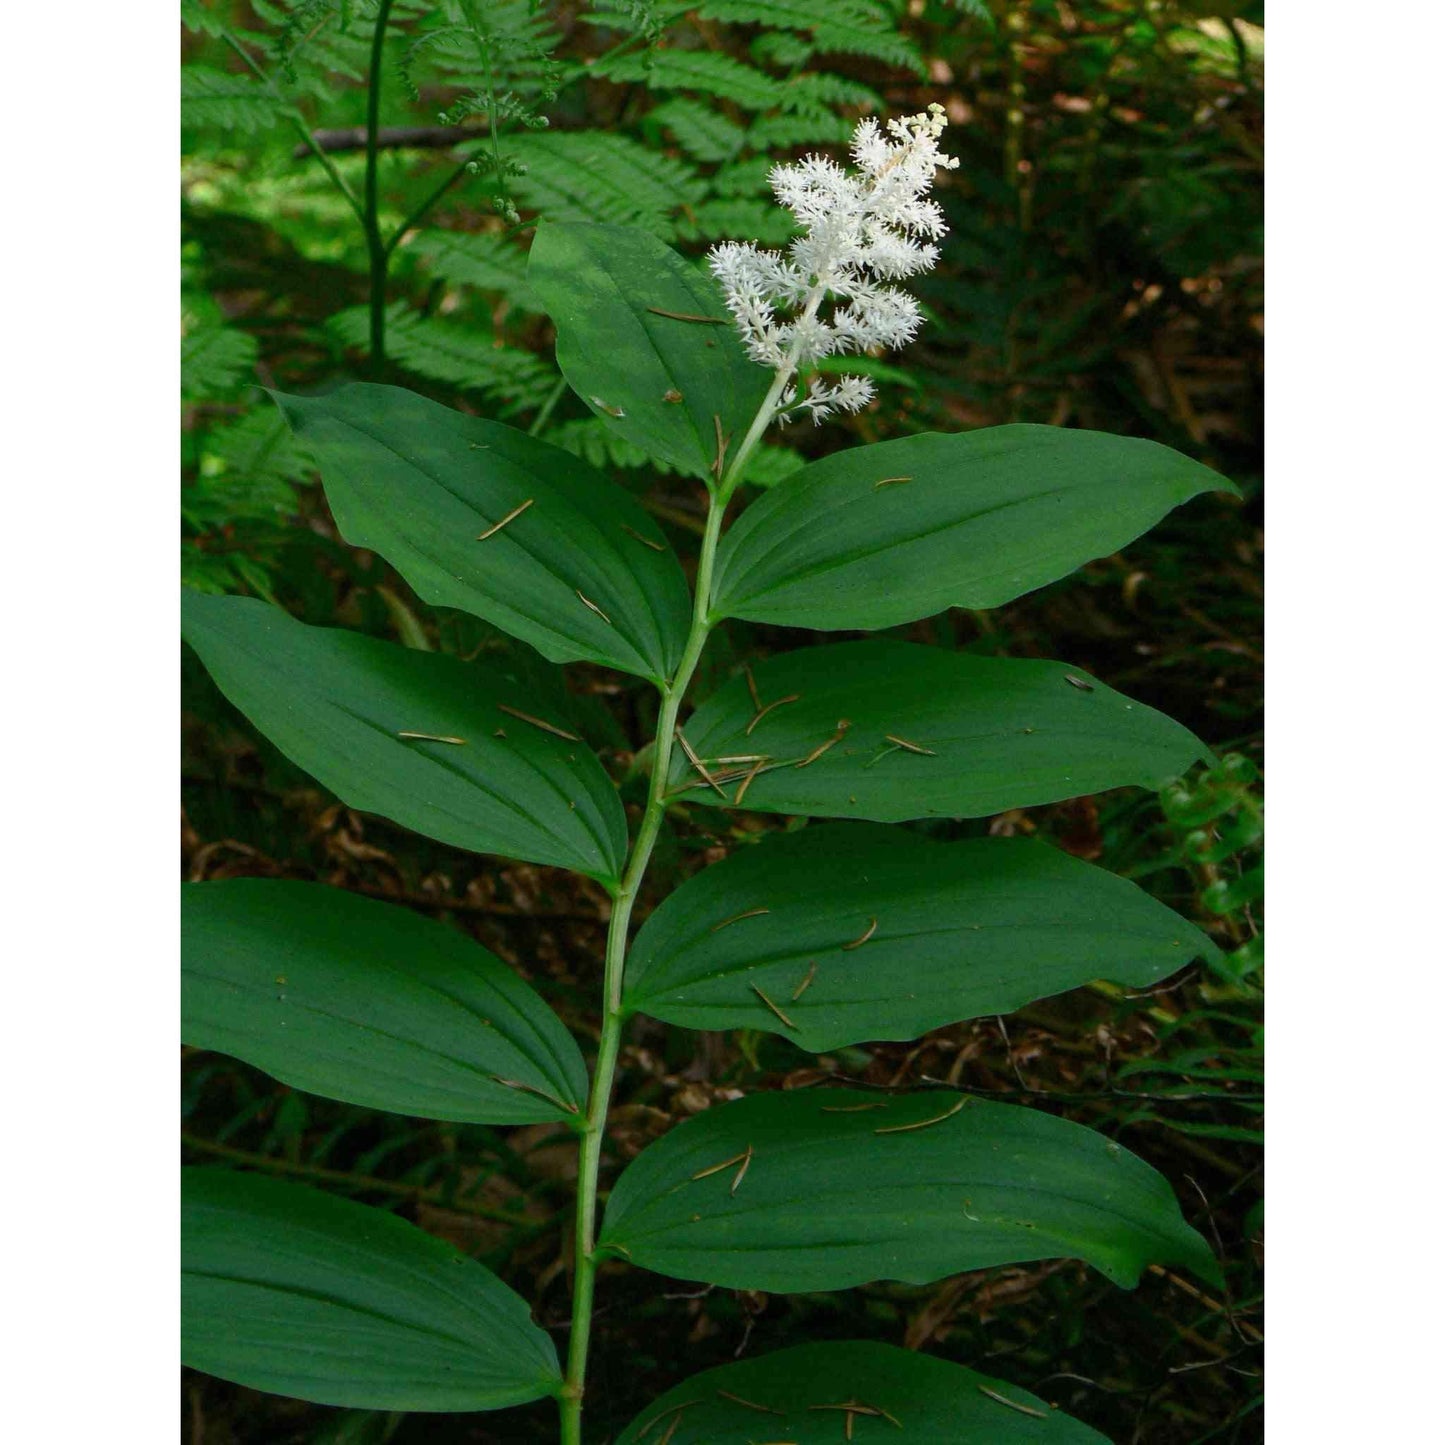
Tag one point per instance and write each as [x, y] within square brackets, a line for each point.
[910, 747]
[750, 1404]
[762, 712]
[1014, 1404]
[772, 1006]
[537, 722]
[510, 517]
[738, 918]
[588, 602]
[923, 1123]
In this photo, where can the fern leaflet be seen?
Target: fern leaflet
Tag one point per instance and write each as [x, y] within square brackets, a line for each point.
[488, 262]
[771, 133]
[215, 361]
[231, 102]
[737, 218]
[596, 443]
[701, 131]
[699, 72]
[516, 380]
[595, 176]
[848, 27]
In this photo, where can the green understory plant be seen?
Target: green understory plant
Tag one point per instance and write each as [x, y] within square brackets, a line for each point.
[827, 934]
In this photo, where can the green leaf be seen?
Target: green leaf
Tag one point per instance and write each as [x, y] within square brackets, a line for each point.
[999, 733]
[583, 573]
[337, 705]
[950, 931]
[972, 520]
[909, 1398]
[605, 288]
[845, 1186]
[293, 1291]
[369, 1003]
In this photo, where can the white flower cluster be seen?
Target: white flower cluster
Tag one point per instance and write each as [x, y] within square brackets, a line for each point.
[860, 230]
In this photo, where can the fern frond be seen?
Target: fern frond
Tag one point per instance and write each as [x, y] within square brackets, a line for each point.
[745, 178]
[782, 49]
[823, 91]
[641, 17]
[246, 472]
[314, 41]
[248, 468]
[204, 572]
[770, 133]
[699, 72]
[517, 28]
[979, 9]
[216, 361]
[444, 351]
[217, 98]
[498, 52]
[499, 58]
[596, 443]
[300, 20]
[737, 218]
[198, 17]
[849, 27]
[597, 176]
[488, 262]
[701, 131]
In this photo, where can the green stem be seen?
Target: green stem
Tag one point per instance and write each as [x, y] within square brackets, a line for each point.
[614, 1015]
[768, 410]
[376, 247]
[548, 406]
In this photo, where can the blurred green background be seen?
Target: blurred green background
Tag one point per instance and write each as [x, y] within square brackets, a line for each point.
[1103, 270]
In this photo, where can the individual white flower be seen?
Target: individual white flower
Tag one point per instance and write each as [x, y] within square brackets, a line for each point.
[860, 230]
[848, 393]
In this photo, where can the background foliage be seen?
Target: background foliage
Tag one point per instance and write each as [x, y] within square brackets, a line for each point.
[1103, 270]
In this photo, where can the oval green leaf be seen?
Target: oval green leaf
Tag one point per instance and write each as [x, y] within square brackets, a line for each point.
[928, 734]
[643, 337]
[371, 722]
[824, 1189]
[881, 535]
[801, 1395]
[290, 1290]
[369, 1003]
[849, 932]
[486, 519]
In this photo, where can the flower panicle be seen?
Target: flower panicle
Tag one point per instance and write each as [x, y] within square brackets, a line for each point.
[861, 231]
